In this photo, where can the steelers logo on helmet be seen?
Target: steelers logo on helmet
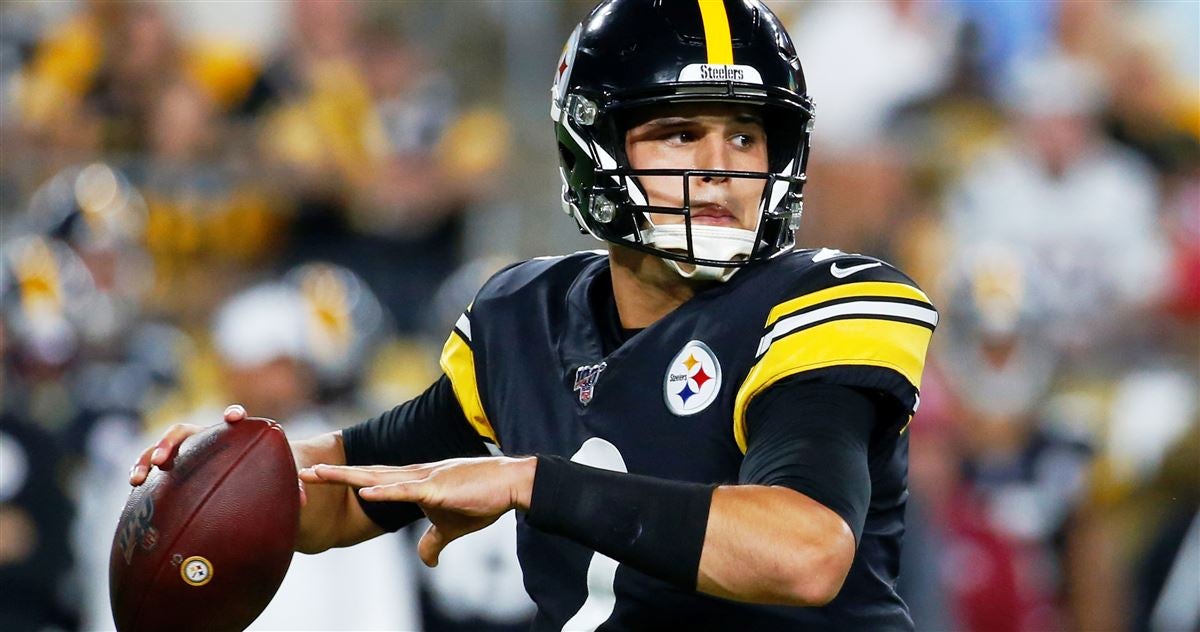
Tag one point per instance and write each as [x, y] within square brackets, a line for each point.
[562, 72]
[693, 379]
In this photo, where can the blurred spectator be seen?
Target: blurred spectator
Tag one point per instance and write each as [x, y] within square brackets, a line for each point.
[110, 63]
[1079, 210]
[1151, 111]
[1009, 32]
[366, 128]
[1167, 576]
[941, 133]
[1151, 106]
[129, 86]
[260, 336]
[1183, 222]
[862, 63]
[1144, 486]
[945, 128]
[413, 107]
[210, 223]
[1004, 475]
[62, 68]
[46, 295]
[345, 327]
[862, 60]
[97, 211]
[263, 336]
[44, 291]
[314, 96]
[36, 563]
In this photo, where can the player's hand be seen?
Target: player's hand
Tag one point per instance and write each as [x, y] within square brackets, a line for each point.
[167, 447]
[459, 496]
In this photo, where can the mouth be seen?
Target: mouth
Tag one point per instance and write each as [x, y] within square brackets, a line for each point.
[712, 214]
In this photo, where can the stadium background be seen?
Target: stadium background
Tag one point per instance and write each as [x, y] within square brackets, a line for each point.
[287, 204]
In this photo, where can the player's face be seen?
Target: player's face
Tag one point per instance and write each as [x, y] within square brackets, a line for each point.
[702, 136]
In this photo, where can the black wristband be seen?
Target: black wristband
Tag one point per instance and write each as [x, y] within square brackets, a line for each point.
[654, 525]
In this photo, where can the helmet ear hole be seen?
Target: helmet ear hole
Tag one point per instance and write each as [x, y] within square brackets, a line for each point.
[567, 157]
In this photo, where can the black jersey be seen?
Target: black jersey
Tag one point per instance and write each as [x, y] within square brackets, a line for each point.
[529, 367]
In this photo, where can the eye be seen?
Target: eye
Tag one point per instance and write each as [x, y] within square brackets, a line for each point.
[744, 140]
[680, 137]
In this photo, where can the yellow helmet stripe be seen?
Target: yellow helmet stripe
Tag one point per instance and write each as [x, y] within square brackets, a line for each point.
[716, 31]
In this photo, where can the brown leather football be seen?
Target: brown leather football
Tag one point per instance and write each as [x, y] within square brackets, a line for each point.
[204, 544]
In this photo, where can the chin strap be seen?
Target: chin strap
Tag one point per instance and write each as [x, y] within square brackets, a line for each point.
[708, 242]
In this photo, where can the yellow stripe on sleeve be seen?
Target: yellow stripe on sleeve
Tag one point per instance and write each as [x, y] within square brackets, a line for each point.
[849, 290]
[855, 341]
[459, 365]
[717, 38]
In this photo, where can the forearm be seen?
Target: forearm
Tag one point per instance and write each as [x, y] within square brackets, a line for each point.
[744, 542]
[331, 517]
[773, 545]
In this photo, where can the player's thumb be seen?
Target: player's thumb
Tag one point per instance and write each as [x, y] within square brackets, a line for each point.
[234, 413]
[431, 545]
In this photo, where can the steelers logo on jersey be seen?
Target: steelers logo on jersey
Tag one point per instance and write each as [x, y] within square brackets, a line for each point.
[693, 379]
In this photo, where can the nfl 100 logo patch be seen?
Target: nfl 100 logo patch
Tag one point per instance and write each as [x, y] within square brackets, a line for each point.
[585, 381]
[693, 379]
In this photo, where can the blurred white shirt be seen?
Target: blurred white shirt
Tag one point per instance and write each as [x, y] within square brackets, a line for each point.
[1090, 236]
[864, 59]
[369, 586]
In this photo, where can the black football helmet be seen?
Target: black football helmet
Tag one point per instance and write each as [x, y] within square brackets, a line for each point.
[628, 54]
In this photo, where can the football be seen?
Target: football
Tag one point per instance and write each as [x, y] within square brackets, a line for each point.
[205, 543]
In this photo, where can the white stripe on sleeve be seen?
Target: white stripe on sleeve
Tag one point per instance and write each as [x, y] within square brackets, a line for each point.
[464, 325]
[853, 308]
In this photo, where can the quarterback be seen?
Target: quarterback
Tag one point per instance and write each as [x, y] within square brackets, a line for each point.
[702, 426]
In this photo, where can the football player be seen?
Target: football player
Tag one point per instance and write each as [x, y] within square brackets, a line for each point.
[700, 427]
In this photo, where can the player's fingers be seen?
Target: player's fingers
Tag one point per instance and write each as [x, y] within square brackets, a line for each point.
[361, 476]
[431, 545]
[141, 467]
[307, 475]
[394, 468]
[303, 494]
[405, 491]
[160, 452]
[170, 441]
[234, 413]
[340, 474]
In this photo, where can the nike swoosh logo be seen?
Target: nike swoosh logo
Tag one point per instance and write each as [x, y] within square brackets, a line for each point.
[842, 273]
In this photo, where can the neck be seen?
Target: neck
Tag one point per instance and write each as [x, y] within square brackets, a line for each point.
[645, 287]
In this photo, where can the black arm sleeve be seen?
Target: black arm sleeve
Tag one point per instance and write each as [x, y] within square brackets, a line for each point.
[430, 427]
[813, 438]
[654, 525]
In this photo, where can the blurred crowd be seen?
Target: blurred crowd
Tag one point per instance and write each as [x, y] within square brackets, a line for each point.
[1036, 166]
[288, 204]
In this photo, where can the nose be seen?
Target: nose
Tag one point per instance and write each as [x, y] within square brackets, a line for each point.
[712, 153]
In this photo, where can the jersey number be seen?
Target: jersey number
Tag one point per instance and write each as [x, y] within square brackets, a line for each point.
[602, 570]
